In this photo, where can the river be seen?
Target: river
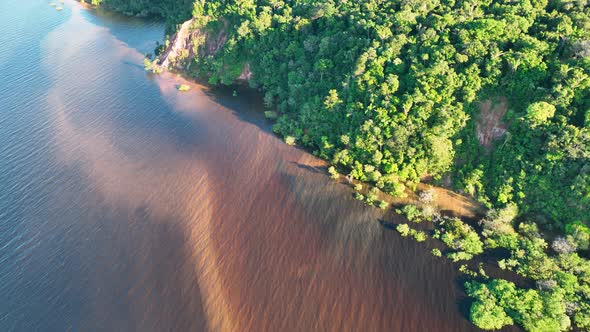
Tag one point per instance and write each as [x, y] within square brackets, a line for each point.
[126, 205]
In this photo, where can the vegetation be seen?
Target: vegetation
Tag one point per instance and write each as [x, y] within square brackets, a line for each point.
[389, 92]
[460, 237]
[561, 296]
[183, 87]
[333, 173]
[173, 11]
[271, 115]
[403, 229]
[436, 252]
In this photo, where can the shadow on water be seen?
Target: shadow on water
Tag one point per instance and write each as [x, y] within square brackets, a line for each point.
[314, 169]
[247, 104]
[127, 28]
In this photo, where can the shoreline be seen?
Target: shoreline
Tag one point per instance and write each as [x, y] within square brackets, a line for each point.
[452, 200]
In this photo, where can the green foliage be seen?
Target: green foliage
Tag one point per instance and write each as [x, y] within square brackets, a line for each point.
[436, 252]
[461, 237]
[403, 229]
[174, 11]
[499, 303]
[486, 312]
[563, 278]
[359, 196]
[333, 173]
[183, 87]
[271, 115]
[290, 140]
[152, 66]
[539, 113]
[371, 198]
[419, 236]
[580, 234]
[413, 213]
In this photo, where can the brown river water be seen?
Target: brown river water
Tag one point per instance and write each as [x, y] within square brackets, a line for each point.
[126, 205]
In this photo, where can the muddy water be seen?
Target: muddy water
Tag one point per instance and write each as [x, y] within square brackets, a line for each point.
[126, 205]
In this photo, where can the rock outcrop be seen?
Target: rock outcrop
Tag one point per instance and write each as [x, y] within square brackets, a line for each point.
[190, 42]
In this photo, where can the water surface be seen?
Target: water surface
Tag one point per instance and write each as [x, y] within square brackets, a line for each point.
[126, 205]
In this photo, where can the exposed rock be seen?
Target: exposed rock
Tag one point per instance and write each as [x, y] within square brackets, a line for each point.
[189, 42]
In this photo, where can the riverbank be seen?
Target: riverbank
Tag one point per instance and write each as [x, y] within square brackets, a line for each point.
[511, 236]
[486, 247]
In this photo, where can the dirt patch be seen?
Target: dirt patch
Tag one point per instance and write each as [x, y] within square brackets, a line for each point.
[489, 125]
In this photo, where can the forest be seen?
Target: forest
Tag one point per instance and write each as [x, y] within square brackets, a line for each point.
[393, 93]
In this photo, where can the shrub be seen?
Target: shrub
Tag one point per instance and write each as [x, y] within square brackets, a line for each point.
[398, 190]
[183, 87]
[333, 173]
[459, 256]
[461, 237]
[371, 198]
[403, 229]
[271, 115]
[290, 140]
[436, 252]
[580, 234]
[419, 236]
[413, 213]
[499, 221]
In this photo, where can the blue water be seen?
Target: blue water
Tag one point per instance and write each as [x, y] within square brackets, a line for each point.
[67, 78]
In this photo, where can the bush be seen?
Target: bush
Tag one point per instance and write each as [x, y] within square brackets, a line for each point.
[271, 115]
[403, 229]
[419, 236]
[413, 213]
[461, 237]
[436, 252]
[371, 198]
[580, 234]
[499, 221]
[290, 140]
[459, 256]
[398, 190]
[183, 87]
[333, 173]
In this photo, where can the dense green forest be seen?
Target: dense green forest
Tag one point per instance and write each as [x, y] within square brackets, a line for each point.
[173, 11]
[391, 92]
